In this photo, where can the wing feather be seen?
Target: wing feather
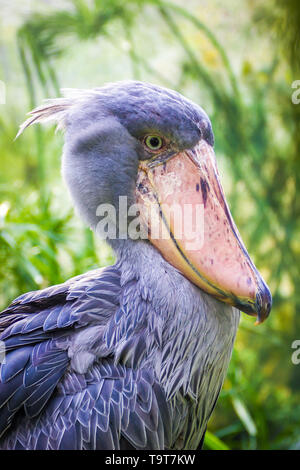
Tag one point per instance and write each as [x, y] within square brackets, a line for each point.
[45, 404]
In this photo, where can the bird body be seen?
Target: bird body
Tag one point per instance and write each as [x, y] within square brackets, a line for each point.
[105, 364]
[132, 356]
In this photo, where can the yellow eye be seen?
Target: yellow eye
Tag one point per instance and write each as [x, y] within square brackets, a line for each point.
[153, 142]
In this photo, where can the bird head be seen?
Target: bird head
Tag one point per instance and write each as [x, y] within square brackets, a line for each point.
[154, 147]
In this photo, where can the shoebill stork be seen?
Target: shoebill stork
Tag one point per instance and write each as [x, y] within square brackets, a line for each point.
[134, 355]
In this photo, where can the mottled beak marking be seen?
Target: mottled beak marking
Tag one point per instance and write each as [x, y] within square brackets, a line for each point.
[220, 264]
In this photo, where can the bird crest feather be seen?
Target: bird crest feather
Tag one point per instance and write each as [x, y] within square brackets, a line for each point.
[55, 109]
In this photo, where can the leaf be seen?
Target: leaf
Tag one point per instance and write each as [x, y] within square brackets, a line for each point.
[244, 415]
[213, 442]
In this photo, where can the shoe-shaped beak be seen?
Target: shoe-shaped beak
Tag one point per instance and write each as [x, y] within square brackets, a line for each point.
[185, 213]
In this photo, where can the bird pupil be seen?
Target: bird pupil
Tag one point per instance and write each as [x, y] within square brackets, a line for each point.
[154, 142]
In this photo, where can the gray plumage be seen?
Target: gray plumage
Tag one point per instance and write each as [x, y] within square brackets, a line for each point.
[129, 356]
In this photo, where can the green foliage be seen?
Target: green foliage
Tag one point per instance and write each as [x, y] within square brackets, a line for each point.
[257, 142]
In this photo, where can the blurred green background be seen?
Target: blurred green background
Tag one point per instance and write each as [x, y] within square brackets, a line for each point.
[238, 60]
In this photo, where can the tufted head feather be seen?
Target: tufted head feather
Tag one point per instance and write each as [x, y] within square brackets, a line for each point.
[56, 109]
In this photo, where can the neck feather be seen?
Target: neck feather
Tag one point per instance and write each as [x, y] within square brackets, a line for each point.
[193, 326]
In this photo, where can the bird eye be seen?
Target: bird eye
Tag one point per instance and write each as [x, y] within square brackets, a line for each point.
[153, 142]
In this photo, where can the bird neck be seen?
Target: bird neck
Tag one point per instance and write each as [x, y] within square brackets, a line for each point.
[178, 313]
[162, 284]
[156, 279]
